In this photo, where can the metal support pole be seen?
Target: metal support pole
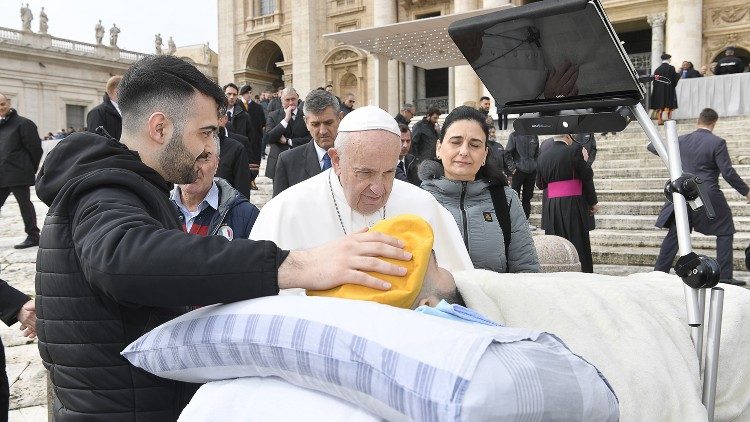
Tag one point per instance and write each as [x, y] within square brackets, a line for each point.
[695, 319]
[712, 350]
[699, 340]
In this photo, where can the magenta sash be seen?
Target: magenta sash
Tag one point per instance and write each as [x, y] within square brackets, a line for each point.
[563, 188]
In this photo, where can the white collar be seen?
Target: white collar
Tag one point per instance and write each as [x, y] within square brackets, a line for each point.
[351, 219]
[211, 199]
[117, 107]
[320, 151]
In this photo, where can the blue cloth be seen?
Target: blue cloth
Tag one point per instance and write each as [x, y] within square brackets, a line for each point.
[456, 313]
[326, 162]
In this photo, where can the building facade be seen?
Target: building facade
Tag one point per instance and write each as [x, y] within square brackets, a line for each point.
[270, 43]
[55, 82]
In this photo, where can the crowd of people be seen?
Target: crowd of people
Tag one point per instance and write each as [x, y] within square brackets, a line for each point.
[168, 154]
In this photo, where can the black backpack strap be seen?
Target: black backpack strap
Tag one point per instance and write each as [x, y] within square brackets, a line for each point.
[502, 211]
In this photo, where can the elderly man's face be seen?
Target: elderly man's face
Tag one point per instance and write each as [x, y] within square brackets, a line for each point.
[289, 99]
[323, 127]
[4, 105]
[366, 167]
[207, 164]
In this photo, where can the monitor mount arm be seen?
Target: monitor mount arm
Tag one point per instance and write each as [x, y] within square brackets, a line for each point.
[697, 271]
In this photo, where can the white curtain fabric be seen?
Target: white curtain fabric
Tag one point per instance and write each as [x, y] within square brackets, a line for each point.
[729, 95]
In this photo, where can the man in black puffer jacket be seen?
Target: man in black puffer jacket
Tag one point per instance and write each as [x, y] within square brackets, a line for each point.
[113, 262]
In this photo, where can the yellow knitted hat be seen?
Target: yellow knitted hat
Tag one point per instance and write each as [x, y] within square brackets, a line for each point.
[417, 235]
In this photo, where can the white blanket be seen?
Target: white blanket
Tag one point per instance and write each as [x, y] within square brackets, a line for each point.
[633, 329]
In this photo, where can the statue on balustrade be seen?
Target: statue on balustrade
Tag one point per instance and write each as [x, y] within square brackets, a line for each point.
[114, 32]
[99, 32]
[158, 43]
[26, 17]
[43, 22]
[172, 46]
[206, 53]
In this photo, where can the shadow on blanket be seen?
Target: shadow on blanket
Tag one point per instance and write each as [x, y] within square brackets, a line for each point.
[634, 329]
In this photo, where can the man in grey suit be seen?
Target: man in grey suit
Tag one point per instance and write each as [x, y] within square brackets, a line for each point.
[322, 115]
[705, 155]
[285, 129]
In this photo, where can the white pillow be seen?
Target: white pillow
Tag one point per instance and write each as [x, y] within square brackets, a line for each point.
[396, 363]
[268, 399]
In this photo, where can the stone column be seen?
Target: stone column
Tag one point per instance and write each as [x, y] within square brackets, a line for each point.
[452, 87]
[401, 84]
[385, 77]
[410, 86]
[466, 82]
[656, 21]
[421, 86]
[227, 42]
[307, 69]
[685, 31]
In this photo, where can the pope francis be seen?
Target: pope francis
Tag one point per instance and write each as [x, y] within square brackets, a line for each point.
[357, 192]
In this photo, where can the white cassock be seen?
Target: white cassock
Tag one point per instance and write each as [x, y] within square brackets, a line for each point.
[304, 216]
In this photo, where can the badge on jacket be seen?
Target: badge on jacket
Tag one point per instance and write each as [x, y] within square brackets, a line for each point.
[226, 231]
[488, 216]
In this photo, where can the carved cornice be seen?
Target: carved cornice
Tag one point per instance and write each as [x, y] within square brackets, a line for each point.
[727, 16]
[408, 4]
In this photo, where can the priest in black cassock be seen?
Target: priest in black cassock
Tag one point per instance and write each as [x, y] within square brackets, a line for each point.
[563, 171]
[664, 95]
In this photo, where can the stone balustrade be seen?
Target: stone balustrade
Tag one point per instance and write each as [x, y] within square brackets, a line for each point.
[50, 43]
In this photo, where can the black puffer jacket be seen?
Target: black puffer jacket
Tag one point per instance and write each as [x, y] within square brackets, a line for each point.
[113, 264]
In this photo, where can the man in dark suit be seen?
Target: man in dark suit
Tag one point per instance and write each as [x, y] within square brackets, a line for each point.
[705, 155]
[233, 161]
[257, 123]
[14, 306]
[20, 153]
[687, 71]
[107, 114]
[322, 115]
[406, 169]
[285, 128]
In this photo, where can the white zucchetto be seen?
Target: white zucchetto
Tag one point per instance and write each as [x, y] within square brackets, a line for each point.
[369, 118]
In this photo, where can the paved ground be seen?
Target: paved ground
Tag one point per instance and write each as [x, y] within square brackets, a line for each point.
[25, 371]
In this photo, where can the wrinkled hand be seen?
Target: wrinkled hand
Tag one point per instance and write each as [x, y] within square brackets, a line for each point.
[344, 261]
[593, 209]
[288, 112]
[27, 318]
[561, 82]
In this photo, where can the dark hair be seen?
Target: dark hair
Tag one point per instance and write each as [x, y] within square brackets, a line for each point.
[432, 110]
[230, 84]
[666, 56]
[245, 89]
[329, 85]
[484, 98]
[708, 116]
[403, 128]
[455, 298]
[163, 83]
[491, 171]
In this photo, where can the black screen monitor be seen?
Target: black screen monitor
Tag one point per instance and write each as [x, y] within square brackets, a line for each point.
[549, 56]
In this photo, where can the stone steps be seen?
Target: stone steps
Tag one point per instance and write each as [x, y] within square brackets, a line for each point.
[646, 256]
[652, 238]
[639, 222]
[736, 154]
[641, 183]
[649, 172]
[639, 144]
[629, 208]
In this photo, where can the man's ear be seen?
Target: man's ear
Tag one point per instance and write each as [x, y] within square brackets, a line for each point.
[335, 160]
[341, 115]
[159, 128]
